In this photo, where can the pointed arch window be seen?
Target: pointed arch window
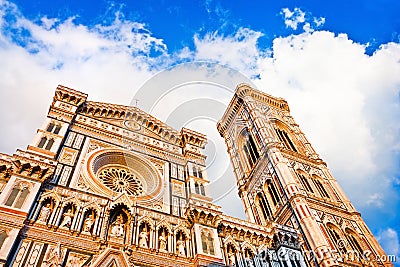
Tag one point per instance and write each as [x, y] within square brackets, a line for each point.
[333, 233]
[321, 189]
[304, 182]
[273, 192]
[265, 208]
[283, 137]
[249, 148]
[351, 238]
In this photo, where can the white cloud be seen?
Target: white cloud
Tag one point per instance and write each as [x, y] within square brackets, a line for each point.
[293, 18]
[389, 239]
[238, 51]
[298, 17]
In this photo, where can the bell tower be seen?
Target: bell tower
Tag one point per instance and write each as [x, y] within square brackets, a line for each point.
[282, 179]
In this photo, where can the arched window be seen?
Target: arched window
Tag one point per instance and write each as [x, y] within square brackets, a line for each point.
[285, 139]
[273, 192]
[304, 182]
[202, 191]
[265, 209]
[3, 236]
[351, 238]
[42, 142]
[321, 189]
[249, 148]
[333, 233]
[17, 196]
[196, 188]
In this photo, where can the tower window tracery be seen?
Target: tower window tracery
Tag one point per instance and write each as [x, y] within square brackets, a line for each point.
[304, 181]
[263, 204]
[283, 137]
[273, 192]
[249, 148]
[333, 233]
[321, 189]
[351, 238]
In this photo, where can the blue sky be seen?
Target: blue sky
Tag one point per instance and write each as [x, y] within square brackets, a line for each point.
[336, 62]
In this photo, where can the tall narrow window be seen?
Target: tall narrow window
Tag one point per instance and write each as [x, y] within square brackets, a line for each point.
[57, 129]
[50, 127]
[335, 237]
[49, 144]
[11, 198]
[249, 148]
[273, 193]
[350, 236]
[22, 197]
[285, 139]
[42, 142]
[3, 236]
[202, 191]
[304, 182]
[321, 188]
[265, 209]
[17, 197]
[196, 188]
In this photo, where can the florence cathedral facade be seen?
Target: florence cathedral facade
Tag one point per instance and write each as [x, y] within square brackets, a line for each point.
[105, 185]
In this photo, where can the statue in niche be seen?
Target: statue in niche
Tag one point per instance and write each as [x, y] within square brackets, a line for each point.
[162, 240]
[88, 223]
[180, 245]
[45, 213]
[67, 220]
[143, 237]
[231, 258]
[117, 227]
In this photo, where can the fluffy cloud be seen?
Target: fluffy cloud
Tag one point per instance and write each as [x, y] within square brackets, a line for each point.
[389, 240]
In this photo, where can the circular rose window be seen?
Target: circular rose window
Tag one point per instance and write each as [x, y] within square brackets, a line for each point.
[121, 180]
[113, 171]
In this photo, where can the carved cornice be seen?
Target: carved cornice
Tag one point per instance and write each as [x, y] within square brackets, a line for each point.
[69, 96]
[242, 91]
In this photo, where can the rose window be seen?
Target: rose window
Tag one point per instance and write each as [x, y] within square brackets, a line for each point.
[121, 180]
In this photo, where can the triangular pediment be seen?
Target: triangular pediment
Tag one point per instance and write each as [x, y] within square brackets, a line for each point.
[111, 258]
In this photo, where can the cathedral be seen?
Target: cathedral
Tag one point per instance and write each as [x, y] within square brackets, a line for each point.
[106, 185]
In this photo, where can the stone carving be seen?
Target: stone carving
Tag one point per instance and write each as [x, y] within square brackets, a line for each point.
[67, 218]
[117, 227]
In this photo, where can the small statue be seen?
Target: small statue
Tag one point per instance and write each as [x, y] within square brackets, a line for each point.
[143, 237]
[231, 258]
[117, 227]
[181, 247]
[163, 242]
[88, 223]
[45, 213]
[67, 221]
